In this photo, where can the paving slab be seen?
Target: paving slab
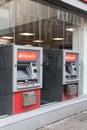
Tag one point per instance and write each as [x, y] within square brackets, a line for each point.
[75, 122]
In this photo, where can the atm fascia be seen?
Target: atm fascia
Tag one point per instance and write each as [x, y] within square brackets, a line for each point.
[21, 78]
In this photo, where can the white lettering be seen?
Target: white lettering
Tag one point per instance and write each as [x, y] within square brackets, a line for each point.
[26, 56]
[70, 57]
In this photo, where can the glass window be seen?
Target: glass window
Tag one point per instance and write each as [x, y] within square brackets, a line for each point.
[37, 23]
[7, 22]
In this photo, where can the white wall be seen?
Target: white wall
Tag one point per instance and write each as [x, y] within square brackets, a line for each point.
[4, 18]
[80, 44]
[85, 57]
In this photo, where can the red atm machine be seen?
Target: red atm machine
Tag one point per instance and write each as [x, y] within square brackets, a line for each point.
[70, 74]
[20, 78]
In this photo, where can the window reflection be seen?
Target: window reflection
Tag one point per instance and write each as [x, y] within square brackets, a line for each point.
[27, 22]
[7, 22]
[49, 25]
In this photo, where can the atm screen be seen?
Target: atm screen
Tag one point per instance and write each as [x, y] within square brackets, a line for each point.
[22, 73]
[68, 68]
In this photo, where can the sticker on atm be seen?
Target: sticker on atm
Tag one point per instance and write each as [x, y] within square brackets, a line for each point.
[26, 55]
[71, 57]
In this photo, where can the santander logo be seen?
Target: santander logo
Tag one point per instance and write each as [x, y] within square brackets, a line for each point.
[84, 1]
[25, 55]
[71, 57]
[20, 55]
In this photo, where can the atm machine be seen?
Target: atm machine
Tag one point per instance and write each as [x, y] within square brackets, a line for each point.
[60, 75]
[70, 74]
[20, 78]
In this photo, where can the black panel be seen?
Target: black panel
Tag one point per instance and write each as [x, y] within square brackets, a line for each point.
[1, 78]
[6, 80]
[47, 69]
[52, 76]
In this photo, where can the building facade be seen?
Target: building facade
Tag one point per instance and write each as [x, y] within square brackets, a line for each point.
[49, 24]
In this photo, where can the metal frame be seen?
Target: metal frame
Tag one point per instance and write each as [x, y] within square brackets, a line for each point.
[45, 115]
[15, 48]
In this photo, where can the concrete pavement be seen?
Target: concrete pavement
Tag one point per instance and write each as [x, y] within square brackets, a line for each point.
[75, 122]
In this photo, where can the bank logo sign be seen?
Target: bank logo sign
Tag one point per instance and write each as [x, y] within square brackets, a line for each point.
[26, 56]
[84, 1]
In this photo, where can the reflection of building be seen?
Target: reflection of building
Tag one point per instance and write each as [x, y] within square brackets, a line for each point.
[51, 24]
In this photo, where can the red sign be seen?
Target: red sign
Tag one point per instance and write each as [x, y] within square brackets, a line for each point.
[26, 55]
[71, 57]
[84, 1]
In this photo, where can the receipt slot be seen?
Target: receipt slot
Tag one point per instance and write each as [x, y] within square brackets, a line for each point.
[21, 78]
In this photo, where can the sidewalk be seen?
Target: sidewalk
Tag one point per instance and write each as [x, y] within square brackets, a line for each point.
[76, 122]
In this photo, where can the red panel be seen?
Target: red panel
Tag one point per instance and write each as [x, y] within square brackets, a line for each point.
[84, 1]
[64, 97]
[26, 55]
[17, 102]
